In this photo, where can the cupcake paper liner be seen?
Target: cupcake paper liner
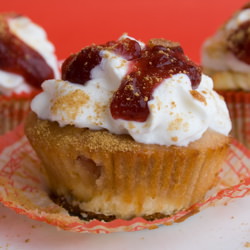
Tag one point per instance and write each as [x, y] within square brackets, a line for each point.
[24, 188]
[13, 110]
[127, 180]
[238, 103]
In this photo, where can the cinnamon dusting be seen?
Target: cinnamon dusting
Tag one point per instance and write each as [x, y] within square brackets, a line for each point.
[71, 103]
[175, 124]
[196, 95]
[175, 138]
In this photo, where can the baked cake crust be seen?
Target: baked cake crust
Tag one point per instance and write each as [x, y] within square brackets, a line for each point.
[100, 173]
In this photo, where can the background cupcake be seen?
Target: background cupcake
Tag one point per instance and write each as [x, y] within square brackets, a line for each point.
[226, 58]
[133, 129]
[26, 60]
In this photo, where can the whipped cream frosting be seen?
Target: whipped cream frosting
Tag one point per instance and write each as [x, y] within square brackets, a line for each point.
[34, 36]
[178, 114]
[219, 58]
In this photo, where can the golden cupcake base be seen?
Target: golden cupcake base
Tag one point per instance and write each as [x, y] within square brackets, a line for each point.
[113, 175]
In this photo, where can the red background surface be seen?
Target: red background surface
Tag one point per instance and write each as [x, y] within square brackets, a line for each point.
[73, 24]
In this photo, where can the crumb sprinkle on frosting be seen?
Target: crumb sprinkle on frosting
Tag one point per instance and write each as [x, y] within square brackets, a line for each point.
[71, 103]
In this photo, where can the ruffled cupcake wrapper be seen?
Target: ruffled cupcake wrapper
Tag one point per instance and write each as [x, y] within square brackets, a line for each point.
[238, 103]
[13, 110]
[12, 113]
[24, 188]
[143, 184]
[127, 179]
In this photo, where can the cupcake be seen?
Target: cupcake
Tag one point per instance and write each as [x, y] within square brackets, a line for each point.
[26, 60]
[226, 58]
[132, 129]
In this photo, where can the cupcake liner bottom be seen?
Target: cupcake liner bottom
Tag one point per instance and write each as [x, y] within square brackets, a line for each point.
[24, 188]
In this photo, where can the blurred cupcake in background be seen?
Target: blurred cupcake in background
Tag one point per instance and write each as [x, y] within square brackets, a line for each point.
[226, 58]
[26, 59]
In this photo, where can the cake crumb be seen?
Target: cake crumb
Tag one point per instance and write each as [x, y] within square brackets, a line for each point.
[221, 97]
[186, 126]
[168, 223]
[247, 244]
[175, 138]
[196, 95]
[152, 106]
[162, 42]
[71, 103]
[173, 105]
[175, 124]
[152, 227]
[123, 63]
[131, 125]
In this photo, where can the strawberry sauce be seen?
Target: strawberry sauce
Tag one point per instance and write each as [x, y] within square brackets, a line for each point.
[149, 66]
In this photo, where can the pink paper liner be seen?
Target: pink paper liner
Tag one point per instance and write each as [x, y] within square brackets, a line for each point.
[14, 109]
[238, 103]
[22, 182]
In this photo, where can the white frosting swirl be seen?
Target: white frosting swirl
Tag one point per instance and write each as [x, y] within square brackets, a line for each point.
[222, 59]
[34, 36]
[178, 114]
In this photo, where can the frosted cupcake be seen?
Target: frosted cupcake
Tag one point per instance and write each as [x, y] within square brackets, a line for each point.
[133, 129]
[26, 60]
[226, 58]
